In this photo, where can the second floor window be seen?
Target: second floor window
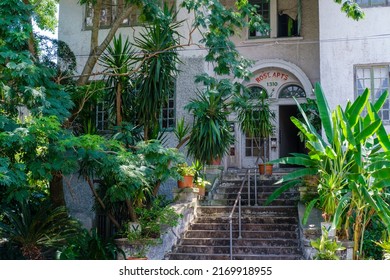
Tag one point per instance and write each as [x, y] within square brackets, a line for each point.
[373, 3]
[111, 9]
[281, 18]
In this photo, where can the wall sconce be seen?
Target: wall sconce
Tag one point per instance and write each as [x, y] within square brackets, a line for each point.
[274, 143]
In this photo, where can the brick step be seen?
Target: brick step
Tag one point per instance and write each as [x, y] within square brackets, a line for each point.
[254, 220]
[240, 242]
[245, 227]
[185, 256]
[247, 250]
[244, 234]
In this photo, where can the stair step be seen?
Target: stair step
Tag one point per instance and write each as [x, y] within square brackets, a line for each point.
[245, 227]
[254, 219]
[267, 189]
[260, 202]
[244, 234]
[185, 256]
[286, 211]
[248, 250]
[275, 242]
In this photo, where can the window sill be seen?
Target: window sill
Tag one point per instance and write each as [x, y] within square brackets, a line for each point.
[256, 41]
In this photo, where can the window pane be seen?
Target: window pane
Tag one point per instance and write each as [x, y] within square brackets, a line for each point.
[376, 79]
[263, 9]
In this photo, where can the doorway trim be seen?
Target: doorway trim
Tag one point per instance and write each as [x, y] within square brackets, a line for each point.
[288, 66]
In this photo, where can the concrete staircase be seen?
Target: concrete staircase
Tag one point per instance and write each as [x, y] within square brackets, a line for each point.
[268, 232]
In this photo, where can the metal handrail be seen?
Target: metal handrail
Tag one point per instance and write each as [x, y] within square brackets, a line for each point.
[238, 200]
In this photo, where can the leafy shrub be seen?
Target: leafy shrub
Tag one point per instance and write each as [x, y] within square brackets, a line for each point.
[89, 246]
[372, 235]
[155, 218]
[37, 231]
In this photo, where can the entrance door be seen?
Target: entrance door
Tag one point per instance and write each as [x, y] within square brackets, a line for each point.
[289, 141]
[234, 153]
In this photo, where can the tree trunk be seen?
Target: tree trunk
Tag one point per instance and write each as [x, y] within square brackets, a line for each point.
[132, 215]
[96, 49]
[119, 104]
[31, 39]
[57, 189]
[96, 195]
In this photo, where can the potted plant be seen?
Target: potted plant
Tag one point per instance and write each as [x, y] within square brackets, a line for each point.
[188, 173]
[256, 120]
[210, 137]
[201, 184]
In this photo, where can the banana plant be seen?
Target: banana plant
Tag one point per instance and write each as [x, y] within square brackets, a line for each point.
[352, 160]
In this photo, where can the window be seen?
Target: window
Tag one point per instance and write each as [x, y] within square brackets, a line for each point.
[292, 91]
[252, 144]
[376, 79]
[101, 116]
[263, 9]
[373, 3]
[111, 9]
[168, 116]
[282, 18]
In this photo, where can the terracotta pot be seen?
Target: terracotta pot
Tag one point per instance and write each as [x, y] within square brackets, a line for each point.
[202, 191]
[265, 169]
[268, 169]
[186, 182]
[216, 161]
[261, 168]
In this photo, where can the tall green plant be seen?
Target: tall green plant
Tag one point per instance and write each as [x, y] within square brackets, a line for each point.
[159, 60]
[118, 60]
[210, 136]
[352, 161]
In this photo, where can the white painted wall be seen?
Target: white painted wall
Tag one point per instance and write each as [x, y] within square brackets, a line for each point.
[345, 43]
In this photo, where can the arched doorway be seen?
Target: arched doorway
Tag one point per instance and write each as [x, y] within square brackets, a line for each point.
[282, 81]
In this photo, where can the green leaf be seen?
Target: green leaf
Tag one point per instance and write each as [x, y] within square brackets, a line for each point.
[381, 101]
[324, 112]
[298, 174]
[308, 209]
[296, 160]
[340, 209]
[368, 131]
[280, 190]
[357, 108]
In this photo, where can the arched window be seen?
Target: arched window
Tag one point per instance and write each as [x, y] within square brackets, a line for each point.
[292, 91]
[257, 92]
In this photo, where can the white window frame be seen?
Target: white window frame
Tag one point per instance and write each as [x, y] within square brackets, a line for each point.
[377, 79]
[168, 112]
[373, 3]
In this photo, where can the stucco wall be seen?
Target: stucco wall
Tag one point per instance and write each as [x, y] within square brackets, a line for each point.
[346, 43]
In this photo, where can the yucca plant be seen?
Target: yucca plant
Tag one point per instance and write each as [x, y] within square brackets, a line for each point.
[352, 160]
[118, 61]
[210, 137]
[159, 61]
[35, 231]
